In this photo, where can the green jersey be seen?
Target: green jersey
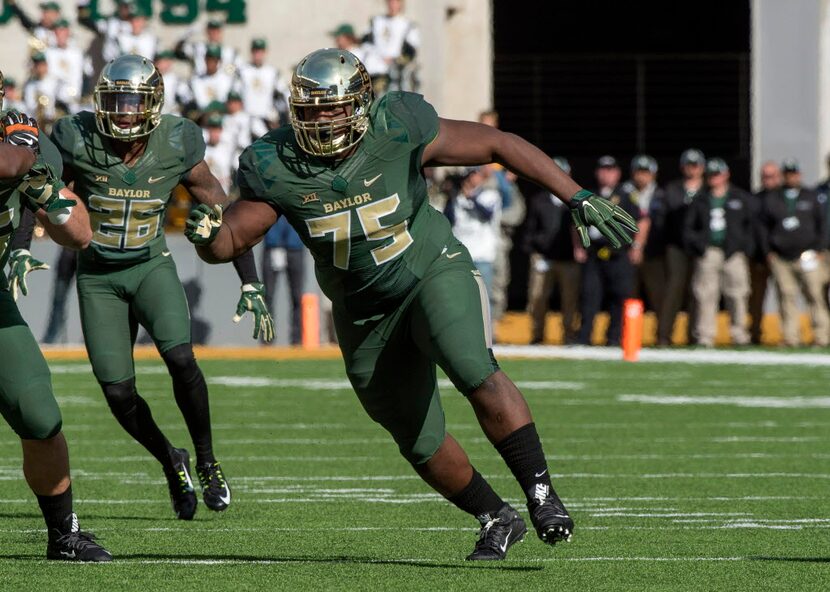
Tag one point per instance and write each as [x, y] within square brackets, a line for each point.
[366, 219]
[126, 204]
[11, 202]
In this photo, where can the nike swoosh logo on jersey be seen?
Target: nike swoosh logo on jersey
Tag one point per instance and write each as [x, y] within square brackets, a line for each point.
[368, 182]
[70, 554]
[167, 254]
[506, 540]
[540, 474]
[152, 180]
[450, 256]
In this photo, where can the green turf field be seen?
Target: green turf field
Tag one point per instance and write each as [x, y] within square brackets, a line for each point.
[679, 477]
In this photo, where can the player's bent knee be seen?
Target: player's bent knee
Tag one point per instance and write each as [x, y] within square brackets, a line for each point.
[180, 361]
[422, 449]
[39, 415]
[120, 396]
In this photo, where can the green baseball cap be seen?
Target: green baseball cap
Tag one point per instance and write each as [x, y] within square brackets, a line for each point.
[9, 82]
[39, 57]
[259, 43]
[214, 120]
[213, 51]
[234, 96]
[790, 165]
[343, 29]
[50, 6]
[166, 54]
[61, 24]
[215, 24]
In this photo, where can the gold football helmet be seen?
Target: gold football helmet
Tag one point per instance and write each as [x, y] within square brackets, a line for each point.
[326, 79]
[128, 98]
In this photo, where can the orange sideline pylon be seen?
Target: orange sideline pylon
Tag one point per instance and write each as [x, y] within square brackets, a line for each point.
[310, 305]
[632, 329]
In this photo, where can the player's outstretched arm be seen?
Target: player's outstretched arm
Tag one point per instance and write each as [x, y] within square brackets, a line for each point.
[470, 143]
[220, 235]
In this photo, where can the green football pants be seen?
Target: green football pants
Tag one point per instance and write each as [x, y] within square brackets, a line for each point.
[114, 302]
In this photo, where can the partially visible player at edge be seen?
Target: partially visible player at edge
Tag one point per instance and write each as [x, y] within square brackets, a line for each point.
[123, 161]
[348, 175]
[26, 399]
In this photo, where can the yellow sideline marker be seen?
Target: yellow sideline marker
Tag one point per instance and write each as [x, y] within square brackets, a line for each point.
[148, 352]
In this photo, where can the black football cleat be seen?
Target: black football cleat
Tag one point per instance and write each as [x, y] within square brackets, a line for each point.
[215, 490]
[551, 519]
[498, 532]
[72, 544]
[182, 495]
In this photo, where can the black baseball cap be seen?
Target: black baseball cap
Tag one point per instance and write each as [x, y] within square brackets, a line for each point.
[692, 156]
[644, 162]
[790, 165]
[607, 161]
[716, 165]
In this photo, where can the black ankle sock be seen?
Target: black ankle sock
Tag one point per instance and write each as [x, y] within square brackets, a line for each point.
[56, 508]
[522, 451]
[478, 497]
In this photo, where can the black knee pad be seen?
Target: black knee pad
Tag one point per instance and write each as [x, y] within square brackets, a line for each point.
[181, 363]
[120, 396]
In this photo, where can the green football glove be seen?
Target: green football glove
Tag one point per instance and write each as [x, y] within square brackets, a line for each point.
[253, 300]
[21, 263]
[203, 224]
[39, 186]
[611, 220]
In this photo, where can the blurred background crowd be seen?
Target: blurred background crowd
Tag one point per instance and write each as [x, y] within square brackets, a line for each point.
[706, 245]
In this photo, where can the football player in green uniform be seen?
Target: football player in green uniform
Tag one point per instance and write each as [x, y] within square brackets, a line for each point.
[29, 163]
[348, 175]
[124, 161]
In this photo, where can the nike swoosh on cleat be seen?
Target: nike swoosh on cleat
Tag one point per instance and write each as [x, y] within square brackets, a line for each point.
[540, 474]
[70, 554]
[506, 541]
[226, 499]
[368, 182]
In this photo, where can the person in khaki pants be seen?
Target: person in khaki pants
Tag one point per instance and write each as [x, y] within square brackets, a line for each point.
[549, 241]
[771, 180]
[718, 233]
[793, 238]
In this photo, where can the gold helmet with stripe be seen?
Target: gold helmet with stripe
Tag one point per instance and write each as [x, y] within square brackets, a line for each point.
[128, 97]
[330, 80]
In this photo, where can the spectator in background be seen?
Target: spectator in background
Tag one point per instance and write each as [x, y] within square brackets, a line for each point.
[823, 193]
[107, 30]
[264, 92]
[218, 154]
[397, 40]
[549, 242]
[12, 100]
[473, 210]
[345, 39]
[771, 180]
[195, 52]
[678, 196]
[240, 128]
[174, 86]
[211, 86]
[41, 93]
[284, 253]
[41, 30]
[719, 233]
[139, 40]
[512, 215]
[68, 64]
[647, 251]
[607, 274]
[793, 236]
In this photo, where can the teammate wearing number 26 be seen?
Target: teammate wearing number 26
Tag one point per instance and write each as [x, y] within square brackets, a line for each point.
[123, 161]
[348, 175]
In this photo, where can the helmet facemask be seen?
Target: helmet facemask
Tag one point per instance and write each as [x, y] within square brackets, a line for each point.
[330, 80]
